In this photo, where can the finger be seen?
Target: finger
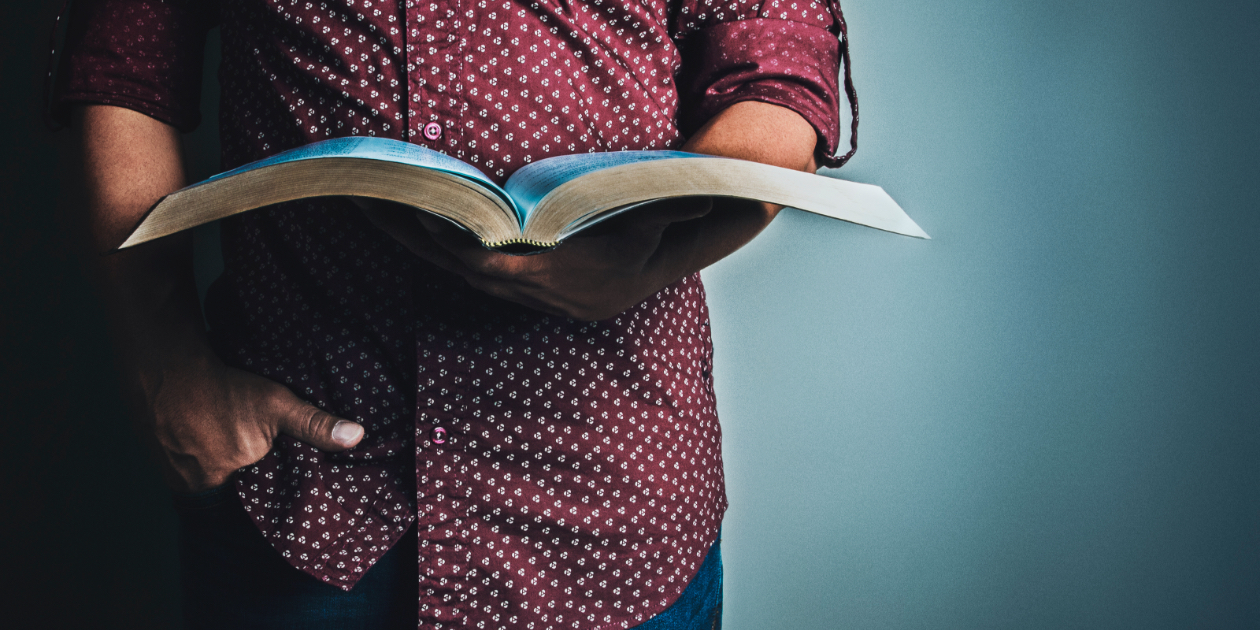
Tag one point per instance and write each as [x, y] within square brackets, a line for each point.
[310, 424]
[447, 235]
[653, 218]
[365, 204]
[432, 250]
[474, 258]
[512, 292]
[401, 223]
[667, 211]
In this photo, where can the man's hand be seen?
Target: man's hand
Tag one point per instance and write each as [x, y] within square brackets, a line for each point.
[594, 275]
[206, 420]
[603, 271]
[210, 420]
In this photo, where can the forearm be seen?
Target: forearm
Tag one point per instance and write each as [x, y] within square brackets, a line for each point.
[749, 130]
[128, 162]
[759, 132]
[206, 420]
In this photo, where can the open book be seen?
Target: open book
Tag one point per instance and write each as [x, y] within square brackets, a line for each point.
[540, 205]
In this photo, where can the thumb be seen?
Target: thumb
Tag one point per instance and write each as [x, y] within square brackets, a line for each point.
[317, 427]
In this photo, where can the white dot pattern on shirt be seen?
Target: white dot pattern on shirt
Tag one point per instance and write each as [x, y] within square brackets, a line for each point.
[582, 464]
[581, 482]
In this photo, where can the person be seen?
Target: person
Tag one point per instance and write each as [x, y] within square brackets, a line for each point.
[385, 425]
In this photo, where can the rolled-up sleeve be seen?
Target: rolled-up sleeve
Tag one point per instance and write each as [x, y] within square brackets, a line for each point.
[144, 55]
[784, 52]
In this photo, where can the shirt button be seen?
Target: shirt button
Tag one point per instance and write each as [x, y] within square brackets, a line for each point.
[438, 435]
[433, 131]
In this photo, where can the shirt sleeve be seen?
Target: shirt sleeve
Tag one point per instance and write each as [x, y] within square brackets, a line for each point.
[144, 55]
[784, 52]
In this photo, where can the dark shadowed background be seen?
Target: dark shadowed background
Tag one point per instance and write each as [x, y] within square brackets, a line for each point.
[1045, 417]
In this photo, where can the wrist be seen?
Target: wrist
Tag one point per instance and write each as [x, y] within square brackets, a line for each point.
[153, 313]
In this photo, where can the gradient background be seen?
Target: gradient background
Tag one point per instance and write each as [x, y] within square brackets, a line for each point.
[1046, 417]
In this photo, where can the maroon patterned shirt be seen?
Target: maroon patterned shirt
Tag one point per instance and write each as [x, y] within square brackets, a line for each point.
[559, 474]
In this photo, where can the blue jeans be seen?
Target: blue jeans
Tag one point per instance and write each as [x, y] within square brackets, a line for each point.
[232, 578]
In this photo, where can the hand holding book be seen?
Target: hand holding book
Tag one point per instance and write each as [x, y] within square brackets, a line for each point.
[603, 270]
[593, 275]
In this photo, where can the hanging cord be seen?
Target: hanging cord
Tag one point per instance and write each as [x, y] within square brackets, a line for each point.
[848, 85]
[49, 79]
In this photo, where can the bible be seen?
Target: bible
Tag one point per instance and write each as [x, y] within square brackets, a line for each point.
[540, 205]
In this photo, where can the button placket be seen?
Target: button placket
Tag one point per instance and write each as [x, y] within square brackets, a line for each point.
[435, 58]
[445, 520]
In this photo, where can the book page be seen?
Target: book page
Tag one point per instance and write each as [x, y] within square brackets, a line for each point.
[581, 202]
[532, 182]
[380, 149]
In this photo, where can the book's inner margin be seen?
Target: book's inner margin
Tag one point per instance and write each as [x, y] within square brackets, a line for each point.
[448, 195]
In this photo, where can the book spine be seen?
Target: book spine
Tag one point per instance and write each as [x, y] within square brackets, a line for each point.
[520, 246]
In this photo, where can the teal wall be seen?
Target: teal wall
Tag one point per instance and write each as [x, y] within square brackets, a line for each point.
[1046, 416]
